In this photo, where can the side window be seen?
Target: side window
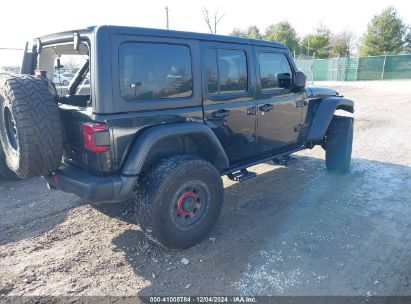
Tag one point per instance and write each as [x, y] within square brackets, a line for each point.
[226, 71]
[275, 71]
[154, 71]
[212, 71]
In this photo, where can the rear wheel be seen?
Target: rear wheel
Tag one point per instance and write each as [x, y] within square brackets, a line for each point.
[179, 200]
[338, 144]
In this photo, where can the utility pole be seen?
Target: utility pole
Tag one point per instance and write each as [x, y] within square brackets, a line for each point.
[167, 18]
[383, 67]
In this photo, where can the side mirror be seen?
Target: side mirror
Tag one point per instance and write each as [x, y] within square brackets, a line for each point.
[284, 80]
[300, 80]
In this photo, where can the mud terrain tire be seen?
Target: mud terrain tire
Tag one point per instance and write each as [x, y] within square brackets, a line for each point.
[167, 198]
[30, 127]
[4, 170]
[338, 145]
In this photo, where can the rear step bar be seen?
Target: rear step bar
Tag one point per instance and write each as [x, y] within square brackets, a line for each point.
[244, 174]
[241, 175]
[284, 160]
[259, 161]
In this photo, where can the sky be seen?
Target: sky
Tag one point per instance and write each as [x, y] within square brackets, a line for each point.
[23, 20]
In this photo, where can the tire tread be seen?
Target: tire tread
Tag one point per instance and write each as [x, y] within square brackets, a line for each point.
[38, 122]
[154, 183]
[338, 145]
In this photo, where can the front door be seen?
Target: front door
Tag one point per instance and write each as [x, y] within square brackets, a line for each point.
[279, 109]
[229, 101]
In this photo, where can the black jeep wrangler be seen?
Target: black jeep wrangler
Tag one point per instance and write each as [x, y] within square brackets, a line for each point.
[158, 116]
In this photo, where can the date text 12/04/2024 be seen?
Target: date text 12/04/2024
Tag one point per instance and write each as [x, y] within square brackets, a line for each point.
[202, 299]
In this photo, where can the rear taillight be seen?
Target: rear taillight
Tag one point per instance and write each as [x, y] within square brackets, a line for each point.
[96, 137]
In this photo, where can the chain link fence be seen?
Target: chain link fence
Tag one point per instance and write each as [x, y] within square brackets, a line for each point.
[338, 68]
[356, 68]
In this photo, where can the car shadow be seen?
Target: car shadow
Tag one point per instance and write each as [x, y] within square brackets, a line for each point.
[263, 220]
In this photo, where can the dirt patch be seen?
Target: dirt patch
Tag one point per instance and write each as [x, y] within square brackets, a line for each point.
[295, 230]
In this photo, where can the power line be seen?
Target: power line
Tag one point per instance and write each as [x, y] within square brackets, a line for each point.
[11, 49]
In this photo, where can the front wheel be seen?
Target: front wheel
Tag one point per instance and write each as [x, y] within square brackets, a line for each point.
[338, 144]
[179, 201]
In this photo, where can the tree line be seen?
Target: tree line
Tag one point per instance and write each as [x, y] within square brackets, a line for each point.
[386, 34]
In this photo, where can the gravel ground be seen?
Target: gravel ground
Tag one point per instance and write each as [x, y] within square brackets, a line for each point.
[295, 230]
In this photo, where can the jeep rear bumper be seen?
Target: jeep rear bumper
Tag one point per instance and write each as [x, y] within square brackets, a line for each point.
[94, 189]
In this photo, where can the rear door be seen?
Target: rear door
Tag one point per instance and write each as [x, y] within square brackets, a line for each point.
[279, 109]
[229, 101]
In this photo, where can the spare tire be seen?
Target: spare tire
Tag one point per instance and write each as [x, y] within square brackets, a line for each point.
[4, 170]
[30, 127]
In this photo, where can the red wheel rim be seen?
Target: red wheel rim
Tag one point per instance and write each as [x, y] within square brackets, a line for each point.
[190, 205]
[182, 198]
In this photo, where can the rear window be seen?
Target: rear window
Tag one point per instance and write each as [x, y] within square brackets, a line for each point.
[155, 71]
[63, 74]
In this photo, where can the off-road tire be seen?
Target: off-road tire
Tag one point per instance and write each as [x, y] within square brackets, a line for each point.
[4, 170]
[33, 145]
[338, 144]
[159, 191]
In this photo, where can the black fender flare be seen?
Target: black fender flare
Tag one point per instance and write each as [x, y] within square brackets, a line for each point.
[148, 138]
[322, 117]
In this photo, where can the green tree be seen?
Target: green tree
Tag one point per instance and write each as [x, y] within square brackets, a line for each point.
[342, 44]
[318, 42]
[252, 32]
[285, 33]
[384, 34]
[407, 40]
[237, 32]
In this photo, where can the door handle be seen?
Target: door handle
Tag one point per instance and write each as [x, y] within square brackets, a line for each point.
[267, 107]
[220, 113]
